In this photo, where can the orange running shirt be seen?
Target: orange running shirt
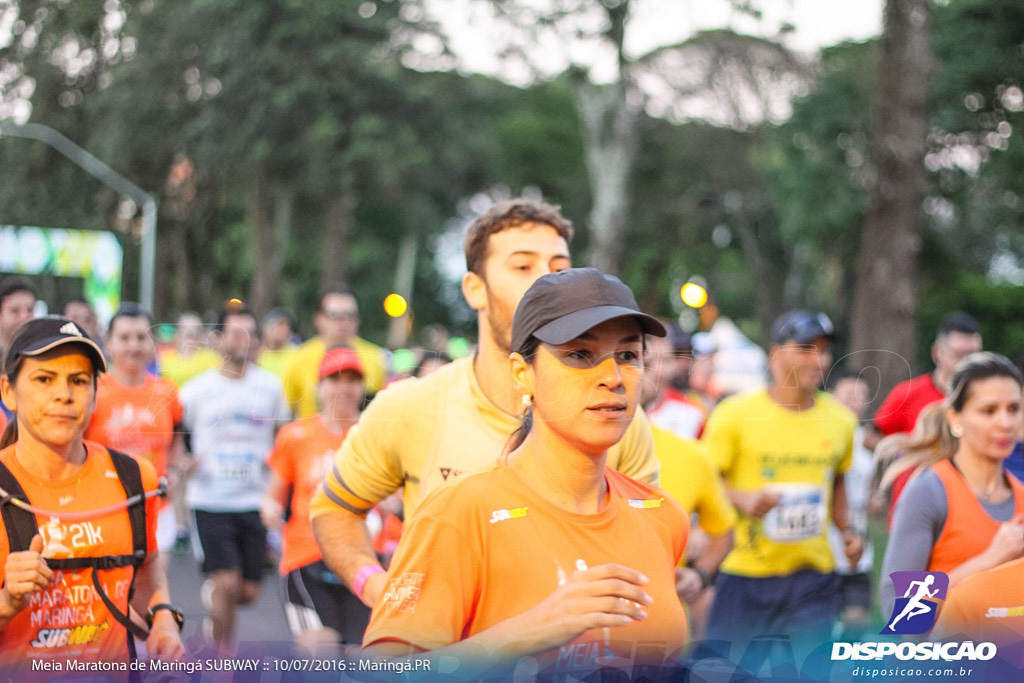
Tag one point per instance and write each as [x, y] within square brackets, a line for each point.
[138, 420]
[303, 453]
[987, 606]
[488, 547]
[68, 620]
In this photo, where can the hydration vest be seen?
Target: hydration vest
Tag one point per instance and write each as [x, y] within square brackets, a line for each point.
[21, 527]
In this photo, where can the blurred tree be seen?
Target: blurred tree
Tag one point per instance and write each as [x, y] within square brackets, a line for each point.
[58, 54]
[613, 86]
[885, 300]
[816, 167]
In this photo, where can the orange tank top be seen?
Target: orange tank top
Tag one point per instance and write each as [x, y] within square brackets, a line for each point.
[969, 528]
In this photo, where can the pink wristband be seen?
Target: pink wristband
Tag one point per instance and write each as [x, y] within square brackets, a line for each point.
[362, 575]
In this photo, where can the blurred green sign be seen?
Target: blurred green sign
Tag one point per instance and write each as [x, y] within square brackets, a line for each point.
[93, 255]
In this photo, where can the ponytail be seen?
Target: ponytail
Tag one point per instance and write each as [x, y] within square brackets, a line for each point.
[516, 438]
[11, 368]
[10, 434]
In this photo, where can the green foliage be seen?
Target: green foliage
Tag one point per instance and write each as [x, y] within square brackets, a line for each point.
[302, 92]
[691, 179]
[996, 307]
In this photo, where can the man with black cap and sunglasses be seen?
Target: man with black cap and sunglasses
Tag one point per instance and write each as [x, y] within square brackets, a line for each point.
[782, 451]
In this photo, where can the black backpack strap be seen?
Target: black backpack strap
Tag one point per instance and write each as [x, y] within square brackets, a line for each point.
[130, 475]
[20, 524]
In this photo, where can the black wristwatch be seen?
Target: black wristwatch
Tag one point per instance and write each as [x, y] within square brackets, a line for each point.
[179, 618]
[706, 577]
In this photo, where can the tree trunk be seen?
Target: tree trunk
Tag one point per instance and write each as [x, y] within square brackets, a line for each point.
[885, 301]
[271, 218]
[338, 224]
[610, 126]
[769, 266]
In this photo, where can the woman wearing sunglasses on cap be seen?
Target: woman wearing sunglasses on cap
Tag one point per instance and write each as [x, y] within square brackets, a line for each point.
[548, 554]
[77, 502]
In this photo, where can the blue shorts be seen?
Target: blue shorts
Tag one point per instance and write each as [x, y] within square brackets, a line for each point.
[801, 605]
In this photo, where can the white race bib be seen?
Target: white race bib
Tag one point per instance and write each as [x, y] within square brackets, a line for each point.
[800, 513]
[237, 467]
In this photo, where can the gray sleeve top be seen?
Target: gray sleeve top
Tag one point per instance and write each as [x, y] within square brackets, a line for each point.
[916, 526]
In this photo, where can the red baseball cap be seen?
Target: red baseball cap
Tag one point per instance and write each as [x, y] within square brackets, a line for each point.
[338, 359]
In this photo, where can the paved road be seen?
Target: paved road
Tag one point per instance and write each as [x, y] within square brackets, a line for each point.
[261, 627]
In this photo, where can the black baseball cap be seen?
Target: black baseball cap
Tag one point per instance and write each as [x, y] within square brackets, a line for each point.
[39, 335]
[802, 327]
[561, 306]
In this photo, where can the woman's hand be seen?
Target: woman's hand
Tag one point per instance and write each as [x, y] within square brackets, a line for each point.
[608, 595]
[1008, 543]
[25, 573]
[164, 641]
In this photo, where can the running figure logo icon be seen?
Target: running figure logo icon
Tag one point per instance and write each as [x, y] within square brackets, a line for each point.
[915, 612]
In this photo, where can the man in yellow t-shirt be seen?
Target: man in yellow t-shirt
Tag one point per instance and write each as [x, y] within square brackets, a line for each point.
[277, 348]
[190, 355]
[337, 324]
[418, 433]
[689, 476]
[783, 451]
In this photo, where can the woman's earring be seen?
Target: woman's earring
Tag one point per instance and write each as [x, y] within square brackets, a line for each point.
[527, 400]
[956, 430]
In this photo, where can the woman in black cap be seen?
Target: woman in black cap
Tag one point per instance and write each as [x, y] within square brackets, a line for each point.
[548, 555]
[77, 543]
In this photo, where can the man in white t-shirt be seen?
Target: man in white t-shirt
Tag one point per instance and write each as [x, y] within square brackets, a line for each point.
[231, 414]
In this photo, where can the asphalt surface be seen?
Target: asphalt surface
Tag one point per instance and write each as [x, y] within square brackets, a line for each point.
[261, 628]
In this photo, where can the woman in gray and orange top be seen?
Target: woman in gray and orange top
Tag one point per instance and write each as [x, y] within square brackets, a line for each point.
[80, 505]
[965, 514]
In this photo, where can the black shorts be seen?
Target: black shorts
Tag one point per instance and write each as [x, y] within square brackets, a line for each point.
[856, 590]
[230, 540]
[314, 598]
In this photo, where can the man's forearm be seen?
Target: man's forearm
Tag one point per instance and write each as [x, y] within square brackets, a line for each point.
[344, 543]
[717, 548]
[840, 511]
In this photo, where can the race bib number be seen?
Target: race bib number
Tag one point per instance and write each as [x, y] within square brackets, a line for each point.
[237, 468]
[800, 514]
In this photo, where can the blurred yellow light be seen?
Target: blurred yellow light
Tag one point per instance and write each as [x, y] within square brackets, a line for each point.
[395, 305]
[694, 295]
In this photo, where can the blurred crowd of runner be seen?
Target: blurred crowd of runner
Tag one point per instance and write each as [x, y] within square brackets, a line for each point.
[769, 450]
